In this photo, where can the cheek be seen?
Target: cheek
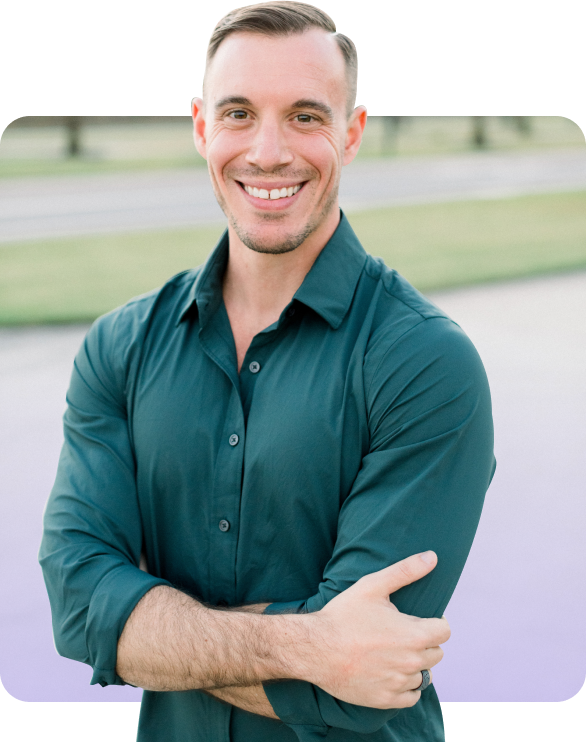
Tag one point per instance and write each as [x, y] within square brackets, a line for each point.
[323, 153]
[222, 148]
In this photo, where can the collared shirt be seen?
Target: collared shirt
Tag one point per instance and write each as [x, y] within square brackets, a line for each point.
[358, 432]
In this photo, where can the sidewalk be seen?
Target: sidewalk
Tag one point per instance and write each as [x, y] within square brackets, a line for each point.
[52, 207]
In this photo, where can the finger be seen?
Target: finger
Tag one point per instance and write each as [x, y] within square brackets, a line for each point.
[436, 631]
[390, 579]
[414, 681]
[431, 657]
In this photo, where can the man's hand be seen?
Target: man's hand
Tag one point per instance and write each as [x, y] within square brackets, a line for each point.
[359, 647]
[372, 655]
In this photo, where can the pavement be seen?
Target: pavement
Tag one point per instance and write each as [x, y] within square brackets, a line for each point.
[517, 614]
[53, 207]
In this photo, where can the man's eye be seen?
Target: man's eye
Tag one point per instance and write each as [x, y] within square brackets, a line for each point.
[238, 115]
[304, 118]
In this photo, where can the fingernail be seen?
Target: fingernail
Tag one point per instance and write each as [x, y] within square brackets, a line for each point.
[428, 557]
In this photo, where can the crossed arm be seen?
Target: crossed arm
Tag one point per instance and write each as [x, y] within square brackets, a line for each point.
[250, 698]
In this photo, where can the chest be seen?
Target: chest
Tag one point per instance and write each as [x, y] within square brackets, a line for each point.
[232, 469]
[297, 405]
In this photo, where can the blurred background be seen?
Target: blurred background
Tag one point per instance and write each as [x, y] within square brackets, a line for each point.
[96, 210]
[486, 215]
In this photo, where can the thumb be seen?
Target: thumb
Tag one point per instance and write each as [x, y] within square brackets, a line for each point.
[390, 579]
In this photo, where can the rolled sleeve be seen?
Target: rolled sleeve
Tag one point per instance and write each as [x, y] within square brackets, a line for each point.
[92, 536]
[421, 486]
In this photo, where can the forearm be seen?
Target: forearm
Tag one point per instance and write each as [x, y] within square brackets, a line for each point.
[171, 642]
[252, 698]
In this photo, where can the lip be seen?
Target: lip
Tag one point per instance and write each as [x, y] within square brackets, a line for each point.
[272, 184]
[267, 204]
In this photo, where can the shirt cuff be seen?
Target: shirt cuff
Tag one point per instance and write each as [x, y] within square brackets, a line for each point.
[112, 602]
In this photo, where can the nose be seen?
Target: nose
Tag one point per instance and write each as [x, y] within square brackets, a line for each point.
[269, 150]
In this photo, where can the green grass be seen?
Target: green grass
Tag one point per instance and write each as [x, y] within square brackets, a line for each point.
[87, 166]
[433, 245]
[147, 145]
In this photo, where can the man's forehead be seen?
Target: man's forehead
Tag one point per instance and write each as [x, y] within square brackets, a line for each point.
[307, 66]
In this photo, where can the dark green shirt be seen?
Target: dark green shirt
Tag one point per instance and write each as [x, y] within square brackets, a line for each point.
[357, 433]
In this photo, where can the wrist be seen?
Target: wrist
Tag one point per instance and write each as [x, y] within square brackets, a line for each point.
[298, 647]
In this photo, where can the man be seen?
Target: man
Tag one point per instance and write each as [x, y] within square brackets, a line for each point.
[289, 435]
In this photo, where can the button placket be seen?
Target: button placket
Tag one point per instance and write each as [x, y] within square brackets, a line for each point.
[226, 502]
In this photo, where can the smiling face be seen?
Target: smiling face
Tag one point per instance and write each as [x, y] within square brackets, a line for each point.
[275, 132]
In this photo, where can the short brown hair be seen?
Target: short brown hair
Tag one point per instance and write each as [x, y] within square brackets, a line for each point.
[284, 18]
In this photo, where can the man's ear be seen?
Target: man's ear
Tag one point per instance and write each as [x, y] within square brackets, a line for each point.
[199, 126]
[356, 124]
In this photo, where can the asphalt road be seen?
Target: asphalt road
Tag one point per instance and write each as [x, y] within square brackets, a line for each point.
[517, 616]
[37, 208]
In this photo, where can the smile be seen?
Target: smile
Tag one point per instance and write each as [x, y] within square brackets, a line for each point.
[274, 194]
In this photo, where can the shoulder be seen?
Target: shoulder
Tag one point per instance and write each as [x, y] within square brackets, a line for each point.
[117, 337]
[412, 338]
[131, 320]
[397, 300]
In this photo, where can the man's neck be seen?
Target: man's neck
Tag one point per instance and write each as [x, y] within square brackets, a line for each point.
[258, 286]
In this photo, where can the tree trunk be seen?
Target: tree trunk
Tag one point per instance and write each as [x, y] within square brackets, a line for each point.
[479, 133]
[73, 128]
[523, 124]
[391, 126]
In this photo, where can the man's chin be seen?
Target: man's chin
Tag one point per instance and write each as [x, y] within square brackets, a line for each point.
[270, 241]
[276, 233]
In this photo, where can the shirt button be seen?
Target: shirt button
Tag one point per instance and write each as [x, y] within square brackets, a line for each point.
[233, 439]
[224, 526]
[254, 367]
[290, 311]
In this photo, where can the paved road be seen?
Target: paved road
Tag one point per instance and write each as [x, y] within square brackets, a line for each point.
[35, 208]
[518, 613]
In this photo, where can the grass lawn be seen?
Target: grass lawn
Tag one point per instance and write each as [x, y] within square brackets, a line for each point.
[433, 245]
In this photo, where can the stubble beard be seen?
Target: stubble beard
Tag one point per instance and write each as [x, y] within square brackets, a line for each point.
[286, 243]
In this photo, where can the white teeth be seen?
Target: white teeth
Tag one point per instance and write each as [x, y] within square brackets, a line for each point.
[274, 194]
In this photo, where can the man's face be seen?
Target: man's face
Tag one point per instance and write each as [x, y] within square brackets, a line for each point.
[275, 132]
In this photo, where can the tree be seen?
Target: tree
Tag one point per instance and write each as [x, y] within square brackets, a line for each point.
[523, 125]
[390, 133]
[73, 130]
[479, 132]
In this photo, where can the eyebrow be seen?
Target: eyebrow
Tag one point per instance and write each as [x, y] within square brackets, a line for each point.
[239, 100]
[315, 105]
[232, 100]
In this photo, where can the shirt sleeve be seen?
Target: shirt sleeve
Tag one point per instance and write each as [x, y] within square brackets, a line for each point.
[420, 486]
[92, 536]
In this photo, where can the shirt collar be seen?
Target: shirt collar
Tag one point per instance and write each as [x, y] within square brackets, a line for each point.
[328, 288]
[206, 290]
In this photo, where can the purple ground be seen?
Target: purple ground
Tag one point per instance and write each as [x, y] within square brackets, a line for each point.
[517, 614]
